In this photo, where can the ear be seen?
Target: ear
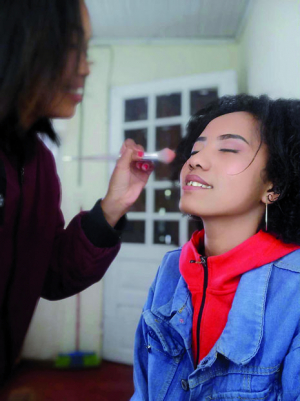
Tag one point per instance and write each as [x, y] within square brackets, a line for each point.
[270, 195]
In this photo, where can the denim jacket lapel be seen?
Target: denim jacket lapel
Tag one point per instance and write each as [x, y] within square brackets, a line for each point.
[243, 332]
[242, 335]
[178, 312]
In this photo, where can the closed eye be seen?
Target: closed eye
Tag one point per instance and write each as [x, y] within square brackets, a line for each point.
[194, 152]
[229, 150]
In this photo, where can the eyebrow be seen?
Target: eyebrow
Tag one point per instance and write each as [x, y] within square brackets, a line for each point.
[224, 137]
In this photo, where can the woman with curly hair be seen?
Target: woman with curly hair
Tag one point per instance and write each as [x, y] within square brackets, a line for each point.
[43, 68]
[222, 319]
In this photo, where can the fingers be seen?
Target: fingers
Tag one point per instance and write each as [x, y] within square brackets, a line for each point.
[137, 150]
[125, 159]
[145, 166]
[132, 153]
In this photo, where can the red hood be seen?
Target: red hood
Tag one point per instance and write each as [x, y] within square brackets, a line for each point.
[256, 251]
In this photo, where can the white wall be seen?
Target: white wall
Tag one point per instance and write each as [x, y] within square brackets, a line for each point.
[270, 49]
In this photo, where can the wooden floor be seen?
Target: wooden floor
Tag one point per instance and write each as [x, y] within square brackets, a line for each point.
[109, 382]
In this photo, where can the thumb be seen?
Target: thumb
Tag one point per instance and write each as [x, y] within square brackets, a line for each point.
[125, 158]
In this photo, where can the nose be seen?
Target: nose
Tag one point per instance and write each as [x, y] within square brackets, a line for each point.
[84, 66]
[201, 160]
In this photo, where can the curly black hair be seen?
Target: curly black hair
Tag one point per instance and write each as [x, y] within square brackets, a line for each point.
[280, 131]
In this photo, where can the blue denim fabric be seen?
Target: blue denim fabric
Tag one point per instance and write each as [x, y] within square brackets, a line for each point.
[257, 357]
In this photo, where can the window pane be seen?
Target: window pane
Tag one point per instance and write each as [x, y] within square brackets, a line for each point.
[162, 172]
[167, 200]
[168, 105]
[166, 137]
[166, 232]
[200, 98]
[136, 109]
[194, 225]
[140, 203]
[134, 232]
[138, 135]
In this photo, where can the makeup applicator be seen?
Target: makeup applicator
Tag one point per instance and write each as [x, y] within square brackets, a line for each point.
[165, 156]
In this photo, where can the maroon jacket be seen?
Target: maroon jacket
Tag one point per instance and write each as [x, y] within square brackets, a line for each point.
[38, 257]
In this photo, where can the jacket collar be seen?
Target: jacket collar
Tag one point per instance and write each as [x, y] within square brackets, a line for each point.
[179, 312]
[225, 270]
[242, 335]
[246, 316]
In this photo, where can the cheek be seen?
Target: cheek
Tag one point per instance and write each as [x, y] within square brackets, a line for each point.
[235, 164]
[61, 106]
[70, 67]
[183, 173]
[242, 189]
[236, 167]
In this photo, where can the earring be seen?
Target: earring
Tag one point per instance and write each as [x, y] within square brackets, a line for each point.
[266, 216]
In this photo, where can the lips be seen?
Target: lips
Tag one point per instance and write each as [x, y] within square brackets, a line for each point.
[196, 178]
[75, 93]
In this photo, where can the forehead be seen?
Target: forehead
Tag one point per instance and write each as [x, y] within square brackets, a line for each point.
[86, 22]
[241, 123]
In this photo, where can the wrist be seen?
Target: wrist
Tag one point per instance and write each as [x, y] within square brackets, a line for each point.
[111, 211]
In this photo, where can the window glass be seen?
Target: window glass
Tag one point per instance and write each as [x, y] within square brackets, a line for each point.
[166, 137]
[200, 98]
[134, 232]
[136, 109]
[140, 203]
[138, 135]
[168, 105]
[167, 200]
[166, 232]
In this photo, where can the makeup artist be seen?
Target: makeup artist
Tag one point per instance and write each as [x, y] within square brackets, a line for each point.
[43, 67]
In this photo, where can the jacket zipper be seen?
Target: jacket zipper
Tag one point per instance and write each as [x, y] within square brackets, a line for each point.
[203, 261]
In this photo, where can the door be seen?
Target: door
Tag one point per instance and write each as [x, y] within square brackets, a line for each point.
[155, 115]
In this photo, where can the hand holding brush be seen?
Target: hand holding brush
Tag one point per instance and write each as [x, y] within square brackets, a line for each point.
[129, 177]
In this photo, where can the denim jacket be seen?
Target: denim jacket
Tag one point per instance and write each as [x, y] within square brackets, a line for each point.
[257, 356]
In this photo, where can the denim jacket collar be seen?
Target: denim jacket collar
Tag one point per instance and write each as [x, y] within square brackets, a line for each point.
[246, 316]
[178, 302]
[179, 312]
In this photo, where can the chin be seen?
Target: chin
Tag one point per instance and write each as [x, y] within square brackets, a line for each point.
[186, 207]
[70, 114]
[64, 114]
[192, 208]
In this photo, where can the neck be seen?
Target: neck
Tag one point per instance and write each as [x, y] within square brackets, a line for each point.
[27, 123]
[28, 119]
[225, 233]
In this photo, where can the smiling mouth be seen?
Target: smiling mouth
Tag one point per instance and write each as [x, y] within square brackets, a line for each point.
[197, 184]
[76, 91]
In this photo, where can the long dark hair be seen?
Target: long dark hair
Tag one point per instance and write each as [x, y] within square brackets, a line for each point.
[280, 130]
[35, 39]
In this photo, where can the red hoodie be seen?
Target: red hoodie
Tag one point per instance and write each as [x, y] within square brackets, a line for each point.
[213, 281]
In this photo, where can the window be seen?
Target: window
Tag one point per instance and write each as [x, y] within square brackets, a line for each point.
[155, 115]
